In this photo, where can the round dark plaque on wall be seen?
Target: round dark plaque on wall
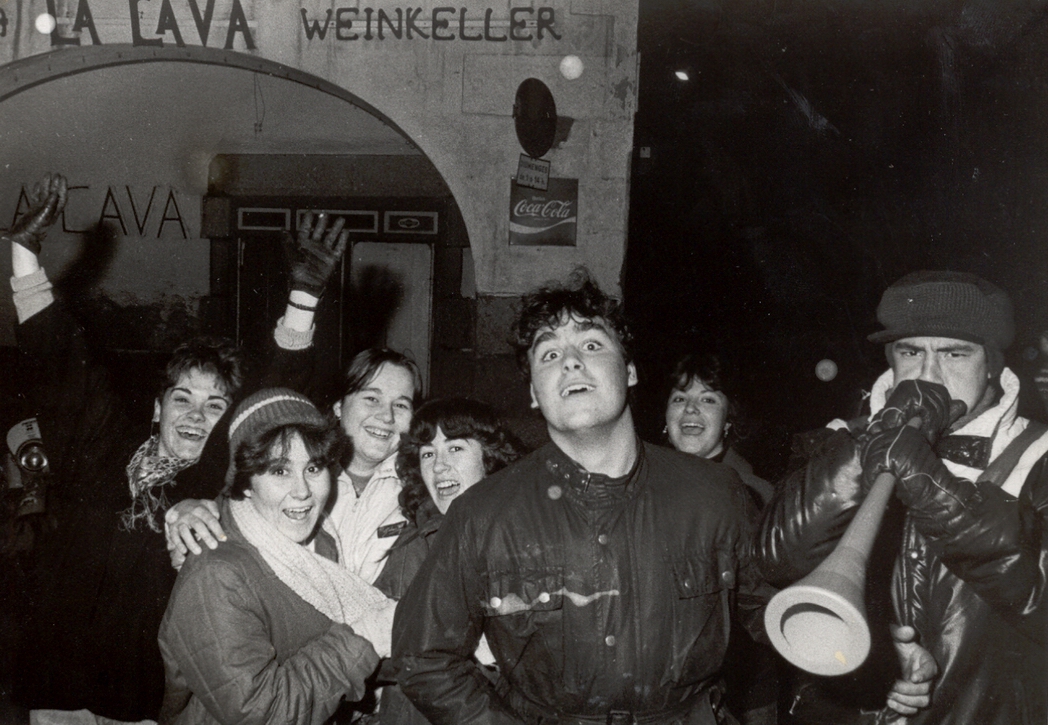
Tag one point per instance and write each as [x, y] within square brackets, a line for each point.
[535, 116]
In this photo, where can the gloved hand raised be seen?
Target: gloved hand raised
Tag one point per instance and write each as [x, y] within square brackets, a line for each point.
[46, 202]
[314, 255]
[918, 399]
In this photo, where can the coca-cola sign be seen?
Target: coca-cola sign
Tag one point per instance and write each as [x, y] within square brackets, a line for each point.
[544, 218]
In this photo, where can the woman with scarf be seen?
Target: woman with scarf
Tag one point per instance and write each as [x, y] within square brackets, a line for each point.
[268, 627]
[101, 576]
[381, 389]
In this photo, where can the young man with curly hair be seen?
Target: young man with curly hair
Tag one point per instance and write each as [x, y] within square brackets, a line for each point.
[604, 572]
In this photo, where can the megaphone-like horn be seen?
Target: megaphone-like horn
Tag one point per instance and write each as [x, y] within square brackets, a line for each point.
[819, 623]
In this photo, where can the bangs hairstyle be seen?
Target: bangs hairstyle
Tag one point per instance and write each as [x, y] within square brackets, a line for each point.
[257, 455]
[365, 366]
[457, 418]
[216, 356]
[552, 305]
[711, 371]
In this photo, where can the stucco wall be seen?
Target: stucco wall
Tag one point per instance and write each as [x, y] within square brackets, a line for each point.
[453, 97]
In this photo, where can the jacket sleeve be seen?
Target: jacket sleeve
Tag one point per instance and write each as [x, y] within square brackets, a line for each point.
[995, 542]
[810, 511]
[216, 637]
[82, 420]
[436, 631]
[289, 361]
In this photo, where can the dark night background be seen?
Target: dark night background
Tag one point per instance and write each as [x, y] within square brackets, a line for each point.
[820, 151]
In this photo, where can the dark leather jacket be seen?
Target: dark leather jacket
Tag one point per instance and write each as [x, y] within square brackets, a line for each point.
[970, 577]
[595, 594]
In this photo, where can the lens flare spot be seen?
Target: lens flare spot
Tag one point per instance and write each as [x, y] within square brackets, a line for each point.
[45, 23]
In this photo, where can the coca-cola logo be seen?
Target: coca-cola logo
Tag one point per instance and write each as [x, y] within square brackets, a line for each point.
[552, 209]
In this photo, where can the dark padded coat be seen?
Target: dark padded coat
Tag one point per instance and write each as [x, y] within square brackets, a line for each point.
[240, 646]
[971, 576]
[99, 591]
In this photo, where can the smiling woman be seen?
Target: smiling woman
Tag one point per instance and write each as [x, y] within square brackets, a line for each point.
[102, 577]
[272, 647]
[382, 387]
[704, 417]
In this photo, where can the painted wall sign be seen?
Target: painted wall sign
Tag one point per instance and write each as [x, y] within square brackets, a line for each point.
[144, 213]
[174, 22]
[544, 218]
[71, 30]
[525, 24]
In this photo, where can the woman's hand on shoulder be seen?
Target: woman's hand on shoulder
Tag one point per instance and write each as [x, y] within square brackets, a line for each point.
[187, 524]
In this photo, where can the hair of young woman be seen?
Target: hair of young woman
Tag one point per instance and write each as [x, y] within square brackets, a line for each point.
[711, 371]
[456, 418]
[365, 366]
[257, 455]
[217, 356]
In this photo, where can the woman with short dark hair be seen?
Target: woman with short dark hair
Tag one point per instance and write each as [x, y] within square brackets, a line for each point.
[102, 577]
[704, 416]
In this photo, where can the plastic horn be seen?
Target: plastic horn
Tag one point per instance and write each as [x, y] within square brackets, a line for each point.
[819, 623]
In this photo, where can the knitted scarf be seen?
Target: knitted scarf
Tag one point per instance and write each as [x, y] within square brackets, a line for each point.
[147, 475]
[338, 593]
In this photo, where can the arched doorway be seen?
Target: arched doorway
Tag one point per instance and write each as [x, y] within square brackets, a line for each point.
[156, 141]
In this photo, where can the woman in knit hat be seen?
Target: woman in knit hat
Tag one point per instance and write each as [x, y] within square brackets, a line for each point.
[268, 627]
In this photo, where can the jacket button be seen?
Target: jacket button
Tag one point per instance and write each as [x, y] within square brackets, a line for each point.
[728, 577]
[554, 492]
[495, 602]
[544, 597]
[602, 539]
[914, 554]
[610, 640]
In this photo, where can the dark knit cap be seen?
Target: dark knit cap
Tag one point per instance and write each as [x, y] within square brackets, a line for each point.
[265, 410]
[946, 304]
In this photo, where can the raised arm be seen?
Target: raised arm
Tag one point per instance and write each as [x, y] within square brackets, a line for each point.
[312, 257]
[79, 413]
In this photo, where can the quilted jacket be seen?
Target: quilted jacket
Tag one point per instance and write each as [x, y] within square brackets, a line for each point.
[240, 646]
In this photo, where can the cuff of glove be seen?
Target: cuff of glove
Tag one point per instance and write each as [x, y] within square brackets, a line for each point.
[32, 294]
[290, 339]
[315, 289]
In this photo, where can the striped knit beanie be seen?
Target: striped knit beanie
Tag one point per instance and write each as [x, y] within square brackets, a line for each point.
[265, 410]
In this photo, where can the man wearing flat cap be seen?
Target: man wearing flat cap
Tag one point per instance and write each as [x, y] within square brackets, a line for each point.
[969, 583]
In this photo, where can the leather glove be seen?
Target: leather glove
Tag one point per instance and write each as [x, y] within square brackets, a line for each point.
[46, 202]
[314, 255]
[922, 476]
[930, 402]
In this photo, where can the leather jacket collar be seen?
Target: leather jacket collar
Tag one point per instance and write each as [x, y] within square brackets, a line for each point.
[591, 488]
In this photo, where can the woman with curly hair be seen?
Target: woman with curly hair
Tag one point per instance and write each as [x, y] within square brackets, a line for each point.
[452, 444]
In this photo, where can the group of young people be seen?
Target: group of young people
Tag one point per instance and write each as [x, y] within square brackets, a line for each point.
[599, 578]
